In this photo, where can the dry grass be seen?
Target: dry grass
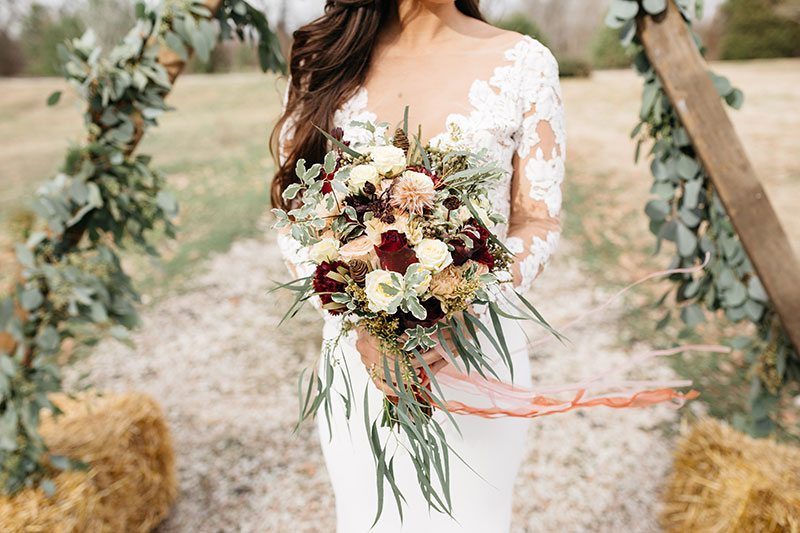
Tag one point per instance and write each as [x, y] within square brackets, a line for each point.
[602, 111]
[130, 484]
[726, 481]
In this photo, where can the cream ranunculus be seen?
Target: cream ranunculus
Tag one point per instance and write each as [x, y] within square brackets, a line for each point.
[410, 228]
[374, 228]
[360, 175]
[389, 160]
[463, 214]
[433, 254]
[383, 289]
[325, 250]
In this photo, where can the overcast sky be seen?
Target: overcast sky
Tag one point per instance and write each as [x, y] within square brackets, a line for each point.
[302, 11]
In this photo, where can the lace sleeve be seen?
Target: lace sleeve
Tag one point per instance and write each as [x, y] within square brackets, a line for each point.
[534, 226]
[294, 255]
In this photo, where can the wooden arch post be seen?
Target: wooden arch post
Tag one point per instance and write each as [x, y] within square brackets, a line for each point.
[686, 81]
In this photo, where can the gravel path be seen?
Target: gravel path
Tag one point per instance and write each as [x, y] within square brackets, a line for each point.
[226, 377]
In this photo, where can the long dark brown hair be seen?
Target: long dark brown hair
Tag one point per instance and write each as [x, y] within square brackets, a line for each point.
[329, 61]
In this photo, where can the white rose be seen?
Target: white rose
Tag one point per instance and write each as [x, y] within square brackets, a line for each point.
[325, 250]
[384, 290]
[389, 160]
[360, 175]
[433, 254]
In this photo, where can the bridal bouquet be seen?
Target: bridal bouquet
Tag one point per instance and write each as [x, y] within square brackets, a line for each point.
[399, 236]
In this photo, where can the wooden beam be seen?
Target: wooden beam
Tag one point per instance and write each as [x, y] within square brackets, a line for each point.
[684, 75]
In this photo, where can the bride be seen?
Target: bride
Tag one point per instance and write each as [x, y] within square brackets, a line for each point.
[467, 84]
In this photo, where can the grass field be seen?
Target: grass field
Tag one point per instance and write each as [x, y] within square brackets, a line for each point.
[214, 151]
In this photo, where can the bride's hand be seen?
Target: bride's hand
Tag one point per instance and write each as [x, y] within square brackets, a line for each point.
[371, 355]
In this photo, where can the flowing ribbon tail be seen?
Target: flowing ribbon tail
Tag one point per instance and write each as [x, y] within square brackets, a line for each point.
[491, 398]
[595, 310]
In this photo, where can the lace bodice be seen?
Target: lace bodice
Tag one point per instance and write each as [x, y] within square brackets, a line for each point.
[517, 114]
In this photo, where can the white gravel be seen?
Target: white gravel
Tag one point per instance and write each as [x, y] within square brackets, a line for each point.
[226, 377]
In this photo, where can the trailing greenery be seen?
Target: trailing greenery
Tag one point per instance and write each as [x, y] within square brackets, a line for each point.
[71, 282]
[686, 211]
[754, 29]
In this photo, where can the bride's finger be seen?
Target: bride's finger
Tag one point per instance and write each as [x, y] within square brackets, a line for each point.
[438, 365]
[384, 387]
[430, 357]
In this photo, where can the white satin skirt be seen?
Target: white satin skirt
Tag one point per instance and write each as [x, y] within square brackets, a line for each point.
[481, 489]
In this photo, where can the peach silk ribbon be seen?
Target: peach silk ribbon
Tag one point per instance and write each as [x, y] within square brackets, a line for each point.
[494, 398]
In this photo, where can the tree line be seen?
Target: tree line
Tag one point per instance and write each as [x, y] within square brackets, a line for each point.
[741, 29]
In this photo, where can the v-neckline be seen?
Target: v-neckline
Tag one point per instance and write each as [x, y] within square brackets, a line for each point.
[363, 93]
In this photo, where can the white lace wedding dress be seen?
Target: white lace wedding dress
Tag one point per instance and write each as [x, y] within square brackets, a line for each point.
[517, 114]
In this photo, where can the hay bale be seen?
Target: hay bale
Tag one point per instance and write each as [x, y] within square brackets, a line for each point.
[725, 481]
[130, 484]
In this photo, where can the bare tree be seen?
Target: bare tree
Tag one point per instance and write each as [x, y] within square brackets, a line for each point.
[109, 19]
[567, 34]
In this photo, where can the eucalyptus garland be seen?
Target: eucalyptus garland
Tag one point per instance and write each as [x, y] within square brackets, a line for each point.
[71, 282]
[686, 211]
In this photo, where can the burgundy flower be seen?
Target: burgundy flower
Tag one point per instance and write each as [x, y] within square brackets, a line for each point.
[478, 250]
[324, 286]
[394, 252]
[392, 241]
[435, 314]
[484, 256]
[476, 231]
[460, 253]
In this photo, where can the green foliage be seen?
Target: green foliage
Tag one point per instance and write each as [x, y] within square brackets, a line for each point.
[607, 52]
[573, 67]
[520, 23]
[753, 29]
[43, 29]
[686, 211]
[104, 198]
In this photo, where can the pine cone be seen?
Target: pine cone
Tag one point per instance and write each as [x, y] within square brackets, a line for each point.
[358, 270]
[400, 140]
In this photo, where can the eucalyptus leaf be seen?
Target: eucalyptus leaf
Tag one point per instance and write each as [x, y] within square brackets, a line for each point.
[624, 9]
[654, 7]
[54, 98]
[692, 315]
[686, 240]
[756, 291]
